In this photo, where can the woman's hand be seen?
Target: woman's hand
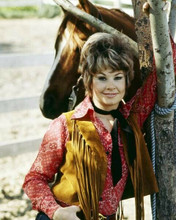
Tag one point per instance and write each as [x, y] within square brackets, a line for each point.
[66, 213]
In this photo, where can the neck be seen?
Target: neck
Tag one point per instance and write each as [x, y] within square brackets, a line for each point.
[102, 111]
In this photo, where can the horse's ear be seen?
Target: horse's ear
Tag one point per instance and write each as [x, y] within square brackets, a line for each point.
[89, 8]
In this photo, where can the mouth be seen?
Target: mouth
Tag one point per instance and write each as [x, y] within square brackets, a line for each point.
[110, 95]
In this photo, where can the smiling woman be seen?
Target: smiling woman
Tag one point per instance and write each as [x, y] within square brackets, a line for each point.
[97, 150]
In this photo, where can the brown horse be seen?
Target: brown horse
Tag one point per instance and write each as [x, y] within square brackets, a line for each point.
[71, 36]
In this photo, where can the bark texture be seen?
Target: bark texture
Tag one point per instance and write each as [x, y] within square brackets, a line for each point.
[165, 169]
[142, 26]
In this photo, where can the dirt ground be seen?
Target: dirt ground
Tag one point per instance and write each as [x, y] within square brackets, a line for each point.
[21, 36]
[25, 36]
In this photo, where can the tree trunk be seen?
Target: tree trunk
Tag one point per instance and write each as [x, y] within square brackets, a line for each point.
[163, 53]
[165, 169]
[165, 149]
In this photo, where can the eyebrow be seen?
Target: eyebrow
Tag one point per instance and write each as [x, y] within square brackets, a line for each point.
[118, 73]
[101, 74]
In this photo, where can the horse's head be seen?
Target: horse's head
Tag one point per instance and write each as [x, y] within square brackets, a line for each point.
[71, 36]
[63, 73]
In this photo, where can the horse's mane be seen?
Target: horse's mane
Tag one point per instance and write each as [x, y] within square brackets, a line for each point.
[102, 11]
[60, 30]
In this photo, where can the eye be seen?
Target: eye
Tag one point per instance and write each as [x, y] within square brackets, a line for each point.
[77, 50]
[118, 77]
[101, 78]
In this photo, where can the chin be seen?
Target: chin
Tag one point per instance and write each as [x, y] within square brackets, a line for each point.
[112, 105]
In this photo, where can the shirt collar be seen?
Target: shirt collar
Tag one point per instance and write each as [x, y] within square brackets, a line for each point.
[83, 109]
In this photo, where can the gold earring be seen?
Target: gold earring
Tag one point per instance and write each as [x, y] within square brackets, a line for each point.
[123, 101]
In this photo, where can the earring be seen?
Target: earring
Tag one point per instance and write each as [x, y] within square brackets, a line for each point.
[123, 101]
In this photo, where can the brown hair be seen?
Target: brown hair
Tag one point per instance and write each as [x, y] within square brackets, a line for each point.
[105, 51]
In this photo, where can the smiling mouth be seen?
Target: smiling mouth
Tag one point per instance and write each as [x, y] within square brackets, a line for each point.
[111, 95]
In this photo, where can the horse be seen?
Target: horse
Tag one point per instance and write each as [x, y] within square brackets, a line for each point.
[71, 36]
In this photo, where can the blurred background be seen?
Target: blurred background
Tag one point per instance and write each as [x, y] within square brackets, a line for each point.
[28, 30]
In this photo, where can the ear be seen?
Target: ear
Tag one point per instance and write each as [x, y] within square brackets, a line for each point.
[89, 8]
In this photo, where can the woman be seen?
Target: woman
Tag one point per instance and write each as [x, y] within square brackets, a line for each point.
[97, 151]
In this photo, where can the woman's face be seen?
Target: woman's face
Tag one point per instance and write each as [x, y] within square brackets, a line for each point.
[108, 89]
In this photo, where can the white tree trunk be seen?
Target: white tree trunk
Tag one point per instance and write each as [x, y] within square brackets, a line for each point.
[162, 52]
[165, 148]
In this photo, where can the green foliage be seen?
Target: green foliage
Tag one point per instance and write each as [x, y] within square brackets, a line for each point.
[47, 11]
[18, 12]
[103, 2]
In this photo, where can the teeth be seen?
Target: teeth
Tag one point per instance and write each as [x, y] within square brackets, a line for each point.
[110, 95]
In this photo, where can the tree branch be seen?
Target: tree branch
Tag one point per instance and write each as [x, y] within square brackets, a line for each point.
[172, 20]
[95, 22]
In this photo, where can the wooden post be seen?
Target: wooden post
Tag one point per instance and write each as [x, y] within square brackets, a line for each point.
[165, 149]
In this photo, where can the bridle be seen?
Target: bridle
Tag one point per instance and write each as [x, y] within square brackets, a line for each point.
[72, 100]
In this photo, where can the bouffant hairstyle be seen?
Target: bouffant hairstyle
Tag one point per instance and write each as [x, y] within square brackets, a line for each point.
[105, 51]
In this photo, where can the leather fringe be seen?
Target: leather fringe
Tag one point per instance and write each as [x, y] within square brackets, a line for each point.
[120, 214]
[89, 179]
[138, 190]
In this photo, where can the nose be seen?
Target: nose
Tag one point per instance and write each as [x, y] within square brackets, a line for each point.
[48, 105]
[110, 85]
[49, 101]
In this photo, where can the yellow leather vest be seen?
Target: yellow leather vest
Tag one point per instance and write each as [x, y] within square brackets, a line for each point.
[83, 172]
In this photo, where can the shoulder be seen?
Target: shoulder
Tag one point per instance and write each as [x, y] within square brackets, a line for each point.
[58, 124]
[57, 133]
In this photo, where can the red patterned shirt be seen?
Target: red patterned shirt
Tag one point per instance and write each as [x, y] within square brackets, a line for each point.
[52, 150]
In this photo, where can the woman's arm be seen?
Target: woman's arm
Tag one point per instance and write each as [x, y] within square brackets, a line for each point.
[46, 166]
[146, 96]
